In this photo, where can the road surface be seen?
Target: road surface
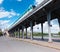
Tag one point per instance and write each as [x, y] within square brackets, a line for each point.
[12, 45]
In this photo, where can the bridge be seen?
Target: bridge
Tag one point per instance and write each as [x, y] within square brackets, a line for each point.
[45, 11]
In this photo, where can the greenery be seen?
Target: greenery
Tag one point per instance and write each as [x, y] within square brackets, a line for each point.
[1, 34]
[34, 34]
[58, 33]
[40, 34]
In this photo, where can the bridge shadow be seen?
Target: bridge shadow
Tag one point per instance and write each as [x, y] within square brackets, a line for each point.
[45, 39]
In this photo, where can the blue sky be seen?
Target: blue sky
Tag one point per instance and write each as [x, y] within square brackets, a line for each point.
[11, 10]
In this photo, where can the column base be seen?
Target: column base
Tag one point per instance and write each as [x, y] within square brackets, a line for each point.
[50, 41]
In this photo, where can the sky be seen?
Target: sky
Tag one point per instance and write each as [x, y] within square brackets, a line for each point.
[12, 10]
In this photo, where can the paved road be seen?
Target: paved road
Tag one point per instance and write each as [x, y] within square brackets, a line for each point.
[10, 45]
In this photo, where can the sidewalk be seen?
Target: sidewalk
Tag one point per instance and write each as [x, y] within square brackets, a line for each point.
[54, 45]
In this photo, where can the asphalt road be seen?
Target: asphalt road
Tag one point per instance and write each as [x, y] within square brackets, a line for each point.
[11, 45]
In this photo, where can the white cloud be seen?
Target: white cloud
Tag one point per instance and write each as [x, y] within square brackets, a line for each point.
[55, 26]
[1, 1]
[4, 13]
[4, 24]
[38, 2]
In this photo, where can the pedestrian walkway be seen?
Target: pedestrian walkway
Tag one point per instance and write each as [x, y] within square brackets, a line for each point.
[54, 45]
[8, 44]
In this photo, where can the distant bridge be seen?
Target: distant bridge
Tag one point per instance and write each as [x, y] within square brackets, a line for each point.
[45, 11]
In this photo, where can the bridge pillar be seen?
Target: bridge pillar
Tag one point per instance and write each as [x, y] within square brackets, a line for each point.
[49, 31]
[23, 32]
[31, 30]
[15, 33]
[26, 32]
[18, 32]
[42, 30]
[59, 23]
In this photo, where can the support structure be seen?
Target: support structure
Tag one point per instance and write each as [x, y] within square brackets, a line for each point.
[26, 32]
[18, 32]
[42, 30]
[23, 32]
[59, 23]
[15, 33]
[49, 31]
[31, 25]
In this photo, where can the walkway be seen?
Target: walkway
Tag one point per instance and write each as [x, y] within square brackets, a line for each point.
[13, 45]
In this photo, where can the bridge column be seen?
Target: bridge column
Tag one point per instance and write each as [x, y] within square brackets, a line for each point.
[59, 23]
[18, 32]
[49, 31]
[31, 30]
[26, 32]
[23, 32]
[42, 30]
[15, 33]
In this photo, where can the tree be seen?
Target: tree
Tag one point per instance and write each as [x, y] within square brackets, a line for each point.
[58, 33]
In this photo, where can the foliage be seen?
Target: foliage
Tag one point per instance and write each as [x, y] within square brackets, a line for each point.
[39, 34]
[58, 33]
[1, 34]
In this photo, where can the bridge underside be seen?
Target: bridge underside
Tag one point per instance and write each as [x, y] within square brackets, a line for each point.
[51, 10]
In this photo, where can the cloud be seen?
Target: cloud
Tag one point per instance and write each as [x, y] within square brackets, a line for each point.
[55, 26]
[4, 24]
[38, 2]
[1, 1]
[9, 14]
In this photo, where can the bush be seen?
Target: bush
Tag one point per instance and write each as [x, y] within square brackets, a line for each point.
[39, 34]
[58, 33]
[1, 34]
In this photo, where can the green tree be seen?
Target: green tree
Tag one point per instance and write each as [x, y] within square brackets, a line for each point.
[1, 34]
[58, 33]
